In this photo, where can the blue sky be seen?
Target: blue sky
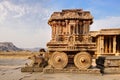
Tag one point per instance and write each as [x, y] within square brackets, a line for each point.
[24, 22]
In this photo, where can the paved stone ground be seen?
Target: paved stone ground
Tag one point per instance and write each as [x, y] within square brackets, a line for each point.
[13, 72]
[16, 74]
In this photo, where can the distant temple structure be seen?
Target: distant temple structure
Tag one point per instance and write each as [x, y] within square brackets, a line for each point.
[70, 32]
[107, 41]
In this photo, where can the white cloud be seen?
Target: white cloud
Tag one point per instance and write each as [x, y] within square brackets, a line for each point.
[19, 10]
[3, 15]
[8, 9]
[108, 22]
[24, 25]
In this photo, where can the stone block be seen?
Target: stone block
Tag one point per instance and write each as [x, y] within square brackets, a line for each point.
[37, 69]
[31, 69]
[26, 69]
[112, 70]
[80, 71]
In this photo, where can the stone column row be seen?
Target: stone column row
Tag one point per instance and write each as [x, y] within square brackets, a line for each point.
[57, 28]
[110, 45]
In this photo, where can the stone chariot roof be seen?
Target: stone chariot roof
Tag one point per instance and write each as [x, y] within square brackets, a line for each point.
[70, 14]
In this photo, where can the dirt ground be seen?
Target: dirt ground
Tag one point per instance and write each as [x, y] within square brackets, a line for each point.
[10, 69]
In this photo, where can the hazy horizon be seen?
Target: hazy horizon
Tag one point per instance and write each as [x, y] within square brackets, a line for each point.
[24, 22]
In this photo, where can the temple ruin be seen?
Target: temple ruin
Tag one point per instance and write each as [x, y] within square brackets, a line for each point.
[71, 31]
[73, 46]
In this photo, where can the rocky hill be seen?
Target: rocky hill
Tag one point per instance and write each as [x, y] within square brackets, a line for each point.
[8, 46]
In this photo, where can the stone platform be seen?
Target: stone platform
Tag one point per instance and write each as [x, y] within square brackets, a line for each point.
[112, 71]
[86, 71]
[31, 69]
[66, 70]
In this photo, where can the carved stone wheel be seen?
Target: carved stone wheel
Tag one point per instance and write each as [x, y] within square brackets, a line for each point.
[83, 60]
[59, 60]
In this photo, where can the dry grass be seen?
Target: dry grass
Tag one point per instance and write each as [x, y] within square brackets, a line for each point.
[17, 54]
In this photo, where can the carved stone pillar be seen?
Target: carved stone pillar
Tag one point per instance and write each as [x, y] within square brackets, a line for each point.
[110, 44]
[76, 25]
[53, 27]
[84, 27]
[52, 31]
[101, 44]
[80, 28]
[114, 44]
[60, 27]
[67, 27]
[105, 42]
[98, 47]
[88, 23]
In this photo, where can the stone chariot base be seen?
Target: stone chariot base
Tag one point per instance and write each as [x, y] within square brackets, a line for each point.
[65, 70]
[31, 69]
